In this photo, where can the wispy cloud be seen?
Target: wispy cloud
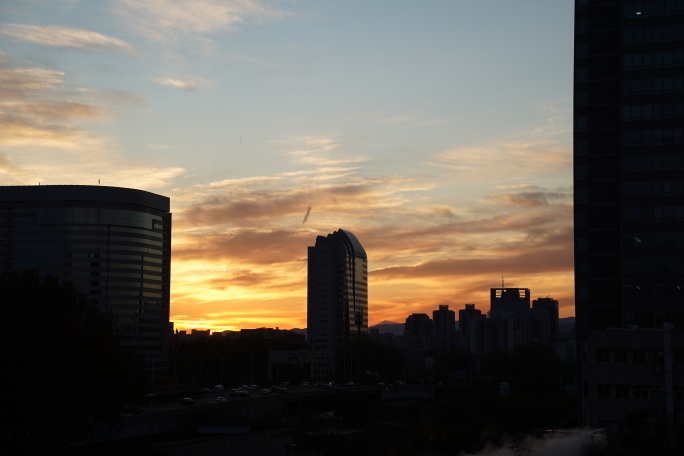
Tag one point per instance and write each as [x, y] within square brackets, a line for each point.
[507, 161]
[185, 86]
[16, 174]
[53, 110]
[532, 197]
[451, 251]
[16, 83]
[317, 151]
[41, 114]
[161, 19]
[64, 37]
[33, 113]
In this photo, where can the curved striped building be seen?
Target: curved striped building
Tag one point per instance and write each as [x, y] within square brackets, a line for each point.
[112, 243]
[337, 292]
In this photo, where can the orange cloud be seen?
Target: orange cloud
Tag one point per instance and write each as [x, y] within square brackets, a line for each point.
[247, 242]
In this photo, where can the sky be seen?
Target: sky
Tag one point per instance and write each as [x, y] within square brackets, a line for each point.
[438, 132]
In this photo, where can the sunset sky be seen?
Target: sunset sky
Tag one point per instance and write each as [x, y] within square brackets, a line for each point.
[439, 132]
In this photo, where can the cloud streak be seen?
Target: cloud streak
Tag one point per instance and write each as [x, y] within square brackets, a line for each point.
[64, 37]
[453, 253]
[185, 86]
[160, 19]
[441, 219]
[306, 216]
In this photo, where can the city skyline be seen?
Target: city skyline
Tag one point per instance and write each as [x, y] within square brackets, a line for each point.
[439, 133]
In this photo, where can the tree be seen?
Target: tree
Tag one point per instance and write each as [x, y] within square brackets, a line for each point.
[65, 370]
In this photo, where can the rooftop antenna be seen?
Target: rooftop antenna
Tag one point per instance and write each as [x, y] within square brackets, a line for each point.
[502, 282]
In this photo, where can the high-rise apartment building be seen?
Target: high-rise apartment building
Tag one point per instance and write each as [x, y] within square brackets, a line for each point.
[337, 291]
[418, 324]
[113, 244]
[629, 212]
[444, 328]
[511, 305]
[469, 319]
[418, 332]
[509, 302]
[544, 320]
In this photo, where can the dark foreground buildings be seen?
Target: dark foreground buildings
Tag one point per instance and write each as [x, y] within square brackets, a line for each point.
[113, 244]
[629, 215]
[337, 292]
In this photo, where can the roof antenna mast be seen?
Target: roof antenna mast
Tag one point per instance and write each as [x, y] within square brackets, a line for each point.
[502, 282]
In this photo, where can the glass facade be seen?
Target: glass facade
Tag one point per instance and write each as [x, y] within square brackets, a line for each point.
[113, 244]
[629, 163]
[337, 291]
[629, 211]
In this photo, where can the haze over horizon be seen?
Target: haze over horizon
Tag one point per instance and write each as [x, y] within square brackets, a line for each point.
[439, 133]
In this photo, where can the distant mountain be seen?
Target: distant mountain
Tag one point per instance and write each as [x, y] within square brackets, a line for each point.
[385, 327]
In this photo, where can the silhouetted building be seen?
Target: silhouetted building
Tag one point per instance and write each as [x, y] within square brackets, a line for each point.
[499, 334]
[629, 207]
[113, 244]
[337, 291]
[468, 327]
[512, 305]
[418, 332]
[544, 320]
[444, 328]
[510, 302]
[418, 325]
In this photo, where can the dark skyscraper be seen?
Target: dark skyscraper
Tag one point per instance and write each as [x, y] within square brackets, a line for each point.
[544, 320]
[469, 319]
[629, 208]
[113, 244]
[337, 291]
[509, 309]
[444, 328]
[510, 303]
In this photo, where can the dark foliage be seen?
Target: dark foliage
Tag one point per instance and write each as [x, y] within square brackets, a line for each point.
[66, 374]
[368, 361]
[231, 362]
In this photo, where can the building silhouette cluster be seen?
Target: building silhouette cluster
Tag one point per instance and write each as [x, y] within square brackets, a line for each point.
[509, 324]
[628, 168]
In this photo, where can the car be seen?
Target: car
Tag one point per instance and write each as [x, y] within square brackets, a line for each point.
[187, 401]
[222, 399]
[266, 391]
